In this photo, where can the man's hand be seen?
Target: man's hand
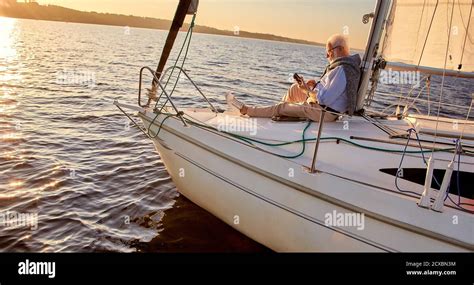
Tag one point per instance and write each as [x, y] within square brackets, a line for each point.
[309, 85]
[312, 97]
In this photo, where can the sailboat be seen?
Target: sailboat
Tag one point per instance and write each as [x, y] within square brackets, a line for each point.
[369, 182]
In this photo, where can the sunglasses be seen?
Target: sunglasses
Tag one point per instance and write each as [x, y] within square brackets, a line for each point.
[327, 52]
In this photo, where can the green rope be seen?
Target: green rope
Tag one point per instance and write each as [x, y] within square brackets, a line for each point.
[303, 145]
[190, 34]
[186, 43]
[304, 140]
[349, 142]
[160, 126]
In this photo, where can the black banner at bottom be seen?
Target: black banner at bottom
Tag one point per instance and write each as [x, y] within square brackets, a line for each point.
[54, 268]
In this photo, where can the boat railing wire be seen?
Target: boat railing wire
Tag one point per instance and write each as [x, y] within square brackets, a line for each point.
[393, 95]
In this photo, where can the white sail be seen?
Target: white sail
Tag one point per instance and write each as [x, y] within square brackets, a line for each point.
[418, 33]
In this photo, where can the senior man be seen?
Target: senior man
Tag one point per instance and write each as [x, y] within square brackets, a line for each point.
[335, 92]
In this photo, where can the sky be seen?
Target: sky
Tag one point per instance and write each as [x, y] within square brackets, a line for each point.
[313, 20]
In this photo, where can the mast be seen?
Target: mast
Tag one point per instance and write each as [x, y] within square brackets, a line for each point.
[185, 7]
[381, 11]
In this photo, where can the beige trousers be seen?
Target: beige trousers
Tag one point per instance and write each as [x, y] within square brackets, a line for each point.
[293, 105]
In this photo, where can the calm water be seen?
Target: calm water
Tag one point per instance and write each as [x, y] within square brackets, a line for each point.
[69, 156]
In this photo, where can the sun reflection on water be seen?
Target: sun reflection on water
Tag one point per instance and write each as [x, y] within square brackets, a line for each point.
[10, 136]
[7, 26]
[9, 37]
[16, 183]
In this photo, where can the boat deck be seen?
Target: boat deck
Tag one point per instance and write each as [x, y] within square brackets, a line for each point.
[348, 144]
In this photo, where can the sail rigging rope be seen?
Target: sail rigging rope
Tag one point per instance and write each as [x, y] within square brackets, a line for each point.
[443, 78]
[186, 43]
[419, 23]
[400, 169]
[466, 120]
[407, 98]
[424, 43]
[427, 34]
[467, 31]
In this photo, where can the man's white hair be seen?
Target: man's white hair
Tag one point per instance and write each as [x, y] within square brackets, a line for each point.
[339, 40]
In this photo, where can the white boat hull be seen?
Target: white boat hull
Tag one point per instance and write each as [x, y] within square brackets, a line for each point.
[259, 218]
[281, 214]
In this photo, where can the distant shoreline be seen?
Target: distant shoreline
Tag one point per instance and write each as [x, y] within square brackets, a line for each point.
[55, 13]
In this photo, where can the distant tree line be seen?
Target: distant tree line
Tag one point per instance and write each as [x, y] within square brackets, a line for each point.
[32, 10]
